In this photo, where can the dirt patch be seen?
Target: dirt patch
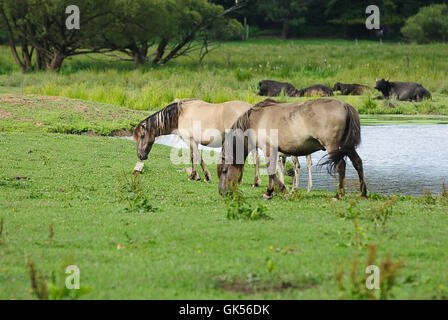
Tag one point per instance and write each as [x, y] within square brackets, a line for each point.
[243, 286]
[18, 99]
[51, 98]
[121, 133]
[81, 107]
[5, 114]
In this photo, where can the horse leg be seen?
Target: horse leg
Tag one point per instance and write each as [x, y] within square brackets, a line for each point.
[295, 181]
[257, 180]
[340, 168]
[281, 167]
[195, 156]
[357, 163]
[309, 165]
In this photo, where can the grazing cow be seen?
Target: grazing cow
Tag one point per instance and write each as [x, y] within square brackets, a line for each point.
[350, 88]
[271, 88]
[404, 91]
[316, 90]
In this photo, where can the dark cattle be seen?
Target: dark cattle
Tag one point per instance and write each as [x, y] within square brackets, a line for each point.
[271, 88]
[405, 91]
[350, 88]
[316, 90]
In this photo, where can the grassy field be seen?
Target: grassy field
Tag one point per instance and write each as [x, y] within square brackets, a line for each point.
[300, 62]
[73, 198]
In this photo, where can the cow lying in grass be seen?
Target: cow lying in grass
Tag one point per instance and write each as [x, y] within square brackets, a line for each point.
[271, 88]
[316, 90]
[350, 88]
[404, 91]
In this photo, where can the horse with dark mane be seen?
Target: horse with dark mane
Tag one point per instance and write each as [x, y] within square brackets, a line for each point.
[195, 122]
[296, 129]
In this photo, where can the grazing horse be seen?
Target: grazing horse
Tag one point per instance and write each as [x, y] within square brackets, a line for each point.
[297, 129]
[194, 121]
[296, 164]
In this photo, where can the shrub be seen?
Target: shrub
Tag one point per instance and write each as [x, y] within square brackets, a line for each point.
[428, 25]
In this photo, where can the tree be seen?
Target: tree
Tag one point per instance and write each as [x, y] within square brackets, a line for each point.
[168, 28]
[39, 28]
[287, 12]
[429, 24]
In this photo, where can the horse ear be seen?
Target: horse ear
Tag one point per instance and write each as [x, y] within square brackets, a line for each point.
[144, 124]
[388, 78]
[376, 79]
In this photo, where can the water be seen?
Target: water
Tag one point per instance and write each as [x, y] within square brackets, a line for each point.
[402, 159]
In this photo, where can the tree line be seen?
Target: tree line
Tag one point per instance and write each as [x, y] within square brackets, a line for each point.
[157, 31]
[141, 31]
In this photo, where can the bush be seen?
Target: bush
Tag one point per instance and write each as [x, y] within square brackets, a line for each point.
[428, 25]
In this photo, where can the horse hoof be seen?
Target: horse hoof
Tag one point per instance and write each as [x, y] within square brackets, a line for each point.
[207, 180]
[255, 185]
[267, 197]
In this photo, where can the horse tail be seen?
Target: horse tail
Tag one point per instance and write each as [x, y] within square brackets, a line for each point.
[350, 140]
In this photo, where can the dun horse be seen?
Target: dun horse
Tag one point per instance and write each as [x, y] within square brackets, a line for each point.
[194, 121]
[296, 129]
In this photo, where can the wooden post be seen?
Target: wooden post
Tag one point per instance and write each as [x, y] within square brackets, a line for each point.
[245, 27]
[228, 60]
[406, 58]
[356, 42]
[381, 41]
[247, 31]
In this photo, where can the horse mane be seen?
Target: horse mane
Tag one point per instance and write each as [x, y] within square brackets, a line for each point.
[243, 121]
[165, 119]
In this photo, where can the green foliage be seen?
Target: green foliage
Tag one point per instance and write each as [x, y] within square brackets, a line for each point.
[55, 288]
[357, 288]
[239, 208]
[428, 25]
[132, 193]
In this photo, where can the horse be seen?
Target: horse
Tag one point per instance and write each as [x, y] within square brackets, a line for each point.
[194, 121]
[296, 164]
[298, 129]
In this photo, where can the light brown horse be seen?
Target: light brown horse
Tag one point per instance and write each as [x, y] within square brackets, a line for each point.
[194, 121]
[297, 129]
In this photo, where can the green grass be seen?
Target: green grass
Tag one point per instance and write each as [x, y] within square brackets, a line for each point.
[31, 113]
[300, 62]
[183, 246]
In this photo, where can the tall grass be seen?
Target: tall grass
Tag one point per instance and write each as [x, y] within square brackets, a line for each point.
[300, 62]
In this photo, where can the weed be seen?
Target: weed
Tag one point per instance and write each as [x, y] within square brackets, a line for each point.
[131, 192]
[428, 197]
[239, 208]
[380, 214]
[51, 233]
[56, 288]
[38, 284]
[358, 288]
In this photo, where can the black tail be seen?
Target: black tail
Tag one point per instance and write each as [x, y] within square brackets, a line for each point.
[349, 142]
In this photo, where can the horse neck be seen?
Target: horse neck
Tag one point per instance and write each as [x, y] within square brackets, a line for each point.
[163, 128]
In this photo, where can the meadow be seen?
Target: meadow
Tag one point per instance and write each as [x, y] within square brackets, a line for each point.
[160, 236]
[68, 195]
[232, 71]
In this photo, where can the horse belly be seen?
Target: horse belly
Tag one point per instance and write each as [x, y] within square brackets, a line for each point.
[301, 148]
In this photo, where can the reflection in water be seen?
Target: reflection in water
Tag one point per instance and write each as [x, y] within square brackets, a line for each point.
[397, 159]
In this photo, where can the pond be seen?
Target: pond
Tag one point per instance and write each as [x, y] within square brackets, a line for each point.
[402, 159]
